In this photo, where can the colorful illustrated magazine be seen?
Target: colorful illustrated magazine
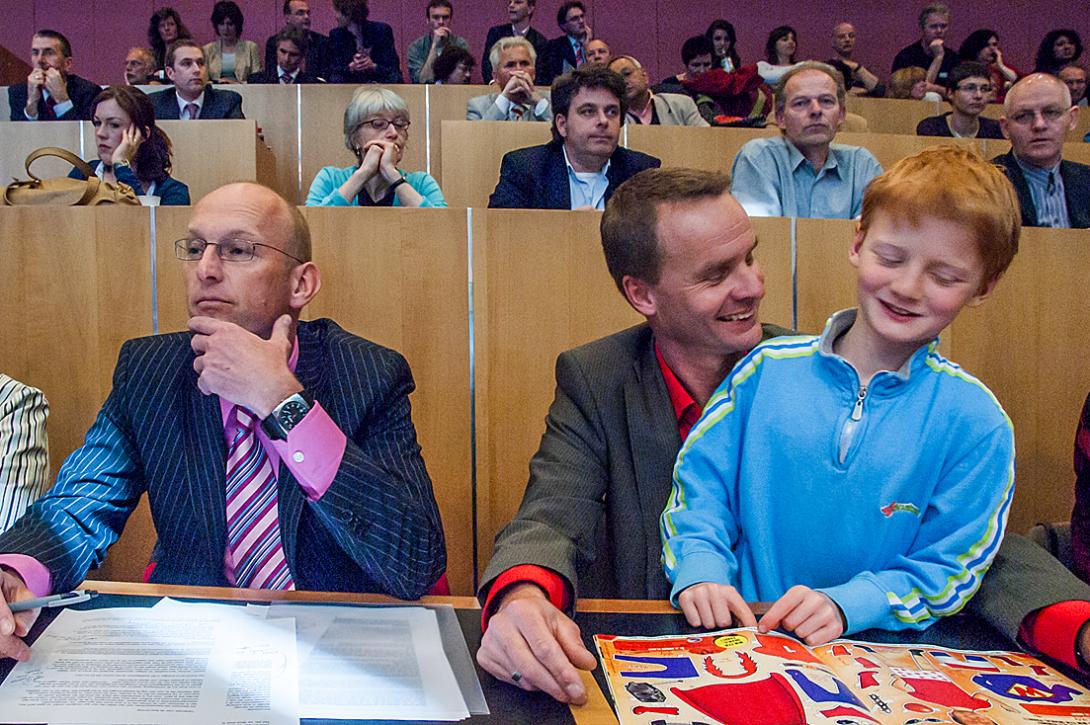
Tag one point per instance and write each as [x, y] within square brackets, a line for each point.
[741, 677]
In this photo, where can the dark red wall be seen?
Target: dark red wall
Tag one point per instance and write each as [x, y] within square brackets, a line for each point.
[102, 30]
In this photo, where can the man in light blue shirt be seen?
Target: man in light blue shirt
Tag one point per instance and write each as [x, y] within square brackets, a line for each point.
[802, 173]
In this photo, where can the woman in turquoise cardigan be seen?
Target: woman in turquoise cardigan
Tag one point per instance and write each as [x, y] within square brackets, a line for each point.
[376, 129]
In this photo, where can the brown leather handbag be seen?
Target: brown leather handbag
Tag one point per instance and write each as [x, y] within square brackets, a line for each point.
[64, 191]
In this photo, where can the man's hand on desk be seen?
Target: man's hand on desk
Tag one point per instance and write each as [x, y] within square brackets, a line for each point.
[14, 626]
[528, 635]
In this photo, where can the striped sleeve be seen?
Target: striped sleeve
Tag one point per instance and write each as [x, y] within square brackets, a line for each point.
[24, 454]
[960, 535]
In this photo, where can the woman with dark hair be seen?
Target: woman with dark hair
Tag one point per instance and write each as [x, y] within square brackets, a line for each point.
[361, 50]
[1057, 49]
[164, 28]
[721, 34]
[982, 46]
[454, 67]
[229, 58]
[131, 148]
[779, 54]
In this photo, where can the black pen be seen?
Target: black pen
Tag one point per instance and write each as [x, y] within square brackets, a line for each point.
[56, 600]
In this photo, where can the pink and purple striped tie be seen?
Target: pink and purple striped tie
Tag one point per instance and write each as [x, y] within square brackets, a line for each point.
[254, 551]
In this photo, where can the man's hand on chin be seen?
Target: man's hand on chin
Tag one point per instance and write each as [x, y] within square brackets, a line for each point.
[241, 367]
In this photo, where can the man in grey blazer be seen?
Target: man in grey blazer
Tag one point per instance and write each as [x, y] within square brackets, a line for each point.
[653, 109]
[680, 249]
[513, 62]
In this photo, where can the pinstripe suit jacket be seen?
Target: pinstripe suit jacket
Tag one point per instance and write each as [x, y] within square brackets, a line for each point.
[376, 529]
[24, 454]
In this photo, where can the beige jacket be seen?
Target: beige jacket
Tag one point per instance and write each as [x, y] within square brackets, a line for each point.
[247, 59]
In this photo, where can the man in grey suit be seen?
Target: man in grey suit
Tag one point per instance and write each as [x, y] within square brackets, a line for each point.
[513, 62]
[680, 249]
[653, 109]
[192, 97]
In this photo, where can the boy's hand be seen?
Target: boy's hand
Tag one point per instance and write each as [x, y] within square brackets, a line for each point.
[812, 616]
[713, 606]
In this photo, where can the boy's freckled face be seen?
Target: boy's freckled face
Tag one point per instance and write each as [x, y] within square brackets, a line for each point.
[913, 280]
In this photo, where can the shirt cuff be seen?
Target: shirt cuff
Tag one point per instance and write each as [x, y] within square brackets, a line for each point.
[503, 104]
[313, 451]
[62, 108]
[1054, 630]
[554, 586]
[540, 106]
[34, 573]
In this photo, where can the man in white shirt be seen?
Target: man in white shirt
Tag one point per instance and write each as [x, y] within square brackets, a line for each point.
[653, 109]
[191, 98]
[513, 61]
[51, 92]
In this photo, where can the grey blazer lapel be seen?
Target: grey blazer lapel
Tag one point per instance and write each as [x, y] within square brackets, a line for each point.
[655, 441]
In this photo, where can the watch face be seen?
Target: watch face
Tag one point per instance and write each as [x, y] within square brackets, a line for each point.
[292, 412]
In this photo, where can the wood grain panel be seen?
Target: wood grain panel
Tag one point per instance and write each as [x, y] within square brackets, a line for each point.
[826, 280]
[209, 154]
[893, 115]
[446, 103]
[323, 128]
[472, 152]
[20, 138]
[711, 149]
[275, 109]
[399, 277]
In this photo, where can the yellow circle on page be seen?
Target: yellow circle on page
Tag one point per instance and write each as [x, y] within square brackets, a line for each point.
[729, 641]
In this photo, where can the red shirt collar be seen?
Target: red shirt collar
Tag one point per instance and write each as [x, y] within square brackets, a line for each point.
[686, 410]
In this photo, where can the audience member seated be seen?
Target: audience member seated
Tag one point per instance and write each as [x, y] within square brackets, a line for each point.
[588, 525]
[982, 46]
[569, 50]
[930, 49]
[297, 15]
[514, 72]
[970, 87]
[192, 97]
[164, 28]
[1037, 115]
[1080, 514]
[802, 173]
[779, 54]
[306, 418]
[721, 34]
[291, 49]
[583, 164]
[1074, 77]
[425, 50]
[361, 50]
[1058, 48]
[52, 92]
[229, 58]
[598, 52]
[131, 148]
[520, 14]
[140, 68]
[857, 79]
[647, 108]
[697, 55]
[454, 67]
[911, 83]
[376, 129]
[24, 451]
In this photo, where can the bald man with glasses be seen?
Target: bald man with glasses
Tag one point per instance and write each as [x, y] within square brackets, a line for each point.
[275, 453]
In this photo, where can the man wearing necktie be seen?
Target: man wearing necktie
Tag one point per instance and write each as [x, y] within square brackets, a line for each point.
[1037, 115]
[292, 45]
[512, 60]
[567, 52]
[275, 453]
[51, 92]
[192, 97]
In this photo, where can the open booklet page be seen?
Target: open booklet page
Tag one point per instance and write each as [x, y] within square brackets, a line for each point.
[742, 677]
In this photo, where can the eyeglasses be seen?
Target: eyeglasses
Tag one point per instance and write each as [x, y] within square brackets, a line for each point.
[975, 88]
[229, 250]
[381, 124]
[1051, 114]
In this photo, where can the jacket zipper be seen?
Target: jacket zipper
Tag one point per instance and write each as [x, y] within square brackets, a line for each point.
[848, 434]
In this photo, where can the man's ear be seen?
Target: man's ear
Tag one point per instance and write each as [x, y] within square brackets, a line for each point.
[640, 295]
[170, 73]
[857, 245]
[561, 122]
[1003, 126]
[305, 283]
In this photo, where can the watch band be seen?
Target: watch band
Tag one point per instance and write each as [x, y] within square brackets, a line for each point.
[393, 186]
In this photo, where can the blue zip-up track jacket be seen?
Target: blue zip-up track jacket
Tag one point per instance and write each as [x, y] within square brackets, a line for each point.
[892, 500]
